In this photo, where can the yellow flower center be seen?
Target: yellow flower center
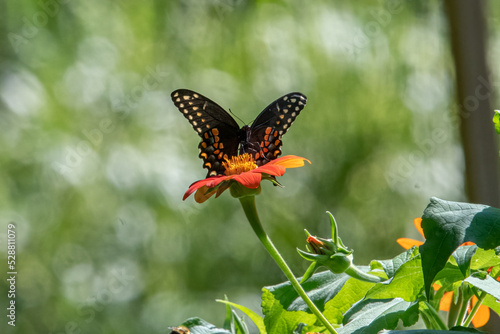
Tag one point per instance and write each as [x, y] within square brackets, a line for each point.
[239, 164]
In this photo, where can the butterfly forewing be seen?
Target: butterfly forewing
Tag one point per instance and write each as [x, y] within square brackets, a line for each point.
[217, 129]
[221, 135]
[264, 139]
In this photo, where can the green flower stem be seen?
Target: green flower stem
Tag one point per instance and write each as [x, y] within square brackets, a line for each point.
[472, 313]
[463, 306]
[355, 272]
[250, 209]
[431, 317]
[454, 311]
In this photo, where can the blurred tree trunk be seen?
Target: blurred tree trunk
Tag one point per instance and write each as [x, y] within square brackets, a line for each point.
[467, 26]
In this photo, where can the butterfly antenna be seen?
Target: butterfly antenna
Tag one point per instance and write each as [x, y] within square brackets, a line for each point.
[232, 113]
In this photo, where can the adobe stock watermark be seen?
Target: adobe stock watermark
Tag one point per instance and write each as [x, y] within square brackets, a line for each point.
[96, 303]
[11, 274]
[381, 18]
[405, 166]
[33, 23]
[94, 137]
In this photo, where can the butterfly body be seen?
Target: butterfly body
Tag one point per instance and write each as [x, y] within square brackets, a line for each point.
[221, 136]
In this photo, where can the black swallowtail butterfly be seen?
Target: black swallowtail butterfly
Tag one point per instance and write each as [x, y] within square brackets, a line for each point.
[221, 136]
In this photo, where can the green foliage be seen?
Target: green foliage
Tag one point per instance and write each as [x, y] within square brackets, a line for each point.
[407, 283]
[279, 320]
[257, 320]
[448, 224]
[375, 315]
[463, 257]
[496, 120]
[353, 305]
[200, 326]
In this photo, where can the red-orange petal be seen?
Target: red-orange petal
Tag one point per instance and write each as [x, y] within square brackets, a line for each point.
[467, 243]
[216, 180]
[274, 170]
[248, 179]
[198, 184]
[408, 243]
[445, 303]
[201, 194]
[482, 315]
[289, 161]
[418, 225]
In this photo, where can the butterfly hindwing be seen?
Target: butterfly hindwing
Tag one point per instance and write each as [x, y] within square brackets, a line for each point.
[221, 135]
[264, 139]
[217, 129]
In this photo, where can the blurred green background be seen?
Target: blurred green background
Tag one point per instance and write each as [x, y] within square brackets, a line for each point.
[95, 157]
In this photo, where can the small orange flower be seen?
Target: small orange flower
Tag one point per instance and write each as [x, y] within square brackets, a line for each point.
[242, 169]
[483, 313]
[408, 243]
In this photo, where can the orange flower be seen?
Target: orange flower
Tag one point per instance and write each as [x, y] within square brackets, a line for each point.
[483, 313]
[242, 169]
[408, 243]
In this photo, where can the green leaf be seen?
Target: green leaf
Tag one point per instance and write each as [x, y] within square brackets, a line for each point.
[407, 283]
[391, 266]
[239, 325]
[257, 320]
[229, 317]
[200, 326]
[488, 284]
[496, 120]
[352, 292]
[432, 331]
[280, 321]
[484, 259]
[371, 316]
[447, 225]
[463, 255]
[492, 303]
[321, 288]
[449, 275]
